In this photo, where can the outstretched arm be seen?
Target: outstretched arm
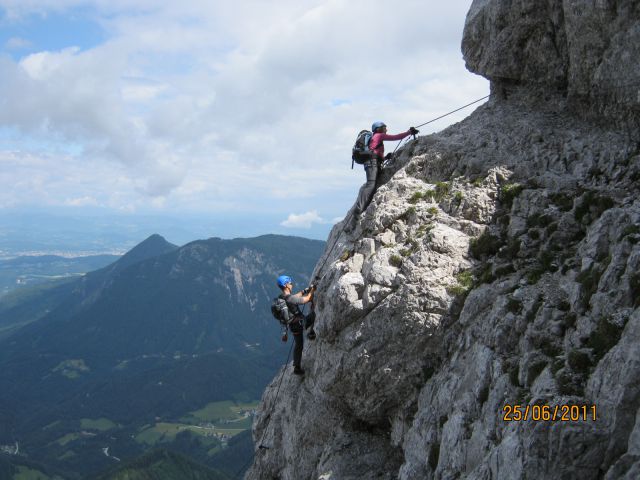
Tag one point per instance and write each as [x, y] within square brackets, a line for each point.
[397, 136]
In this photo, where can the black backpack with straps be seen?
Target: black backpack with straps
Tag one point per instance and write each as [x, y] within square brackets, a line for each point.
[360, 152]
[280, 310]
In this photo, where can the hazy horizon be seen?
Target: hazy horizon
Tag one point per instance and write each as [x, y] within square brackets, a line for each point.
[38, 232]
[243, 123]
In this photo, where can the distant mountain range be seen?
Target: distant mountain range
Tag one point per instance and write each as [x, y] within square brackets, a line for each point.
[123, 356]
[36, 270]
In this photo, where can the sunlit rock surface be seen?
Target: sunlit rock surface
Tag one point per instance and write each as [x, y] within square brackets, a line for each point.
[497, 266]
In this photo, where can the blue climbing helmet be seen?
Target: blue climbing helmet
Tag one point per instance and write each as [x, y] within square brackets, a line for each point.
[376, 125]
[283, 280]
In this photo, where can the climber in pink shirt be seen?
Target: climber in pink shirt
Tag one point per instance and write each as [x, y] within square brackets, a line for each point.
[373, 167]
[380, 135]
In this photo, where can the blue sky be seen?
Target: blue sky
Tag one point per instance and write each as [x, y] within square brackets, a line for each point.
[190, 108]
[49, 31]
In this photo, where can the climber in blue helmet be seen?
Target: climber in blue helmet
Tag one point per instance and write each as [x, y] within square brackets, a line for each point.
[283, 280]
[373, 167]
[300, 321]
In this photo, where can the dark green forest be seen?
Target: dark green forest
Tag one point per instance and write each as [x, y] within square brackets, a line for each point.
[167, 348]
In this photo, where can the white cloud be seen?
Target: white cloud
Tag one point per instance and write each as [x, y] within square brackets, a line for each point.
[189, 105]
[81, 202]
[140, 92]
[17, 43]
[303, 220]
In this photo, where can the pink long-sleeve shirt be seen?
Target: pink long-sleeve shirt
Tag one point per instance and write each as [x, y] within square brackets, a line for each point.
[376, 144]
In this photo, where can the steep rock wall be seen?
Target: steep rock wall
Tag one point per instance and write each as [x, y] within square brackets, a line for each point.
[498, 265]
[586, 50]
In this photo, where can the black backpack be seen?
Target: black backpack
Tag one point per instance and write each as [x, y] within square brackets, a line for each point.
[280, 310]
[360, 152]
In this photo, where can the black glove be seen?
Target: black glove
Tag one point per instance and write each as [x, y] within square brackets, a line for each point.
[388, 156]
[414, 131]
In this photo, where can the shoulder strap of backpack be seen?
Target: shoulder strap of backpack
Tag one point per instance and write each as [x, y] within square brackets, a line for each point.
[369, 144]
[367, 140]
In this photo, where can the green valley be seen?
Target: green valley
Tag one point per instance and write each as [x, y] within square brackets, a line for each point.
[169, 347]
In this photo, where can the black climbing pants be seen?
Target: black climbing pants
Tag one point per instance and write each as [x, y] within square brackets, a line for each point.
[297, 329]
[373, 169]
[298, 339]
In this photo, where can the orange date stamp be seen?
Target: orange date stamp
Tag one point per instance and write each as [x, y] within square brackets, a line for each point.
[548, 413]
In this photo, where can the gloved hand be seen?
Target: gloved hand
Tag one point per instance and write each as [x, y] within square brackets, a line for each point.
[388, 156]
[414, 131]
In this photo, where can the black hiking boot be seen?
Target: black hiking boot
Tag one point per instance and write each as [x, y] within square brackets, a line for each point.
[311, 335]
[298, 371]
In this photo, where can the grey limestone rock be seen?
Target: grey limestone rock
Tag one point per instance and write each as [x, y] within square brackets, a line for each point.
[586, 49]
[497, 266]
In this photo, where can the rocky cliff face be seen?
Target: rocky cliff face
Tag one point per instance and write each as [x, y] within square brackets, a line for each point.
[497, 266]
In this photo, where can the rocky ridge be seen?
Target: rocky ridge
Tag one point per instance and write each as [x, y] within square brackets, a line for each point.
[498, 265]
